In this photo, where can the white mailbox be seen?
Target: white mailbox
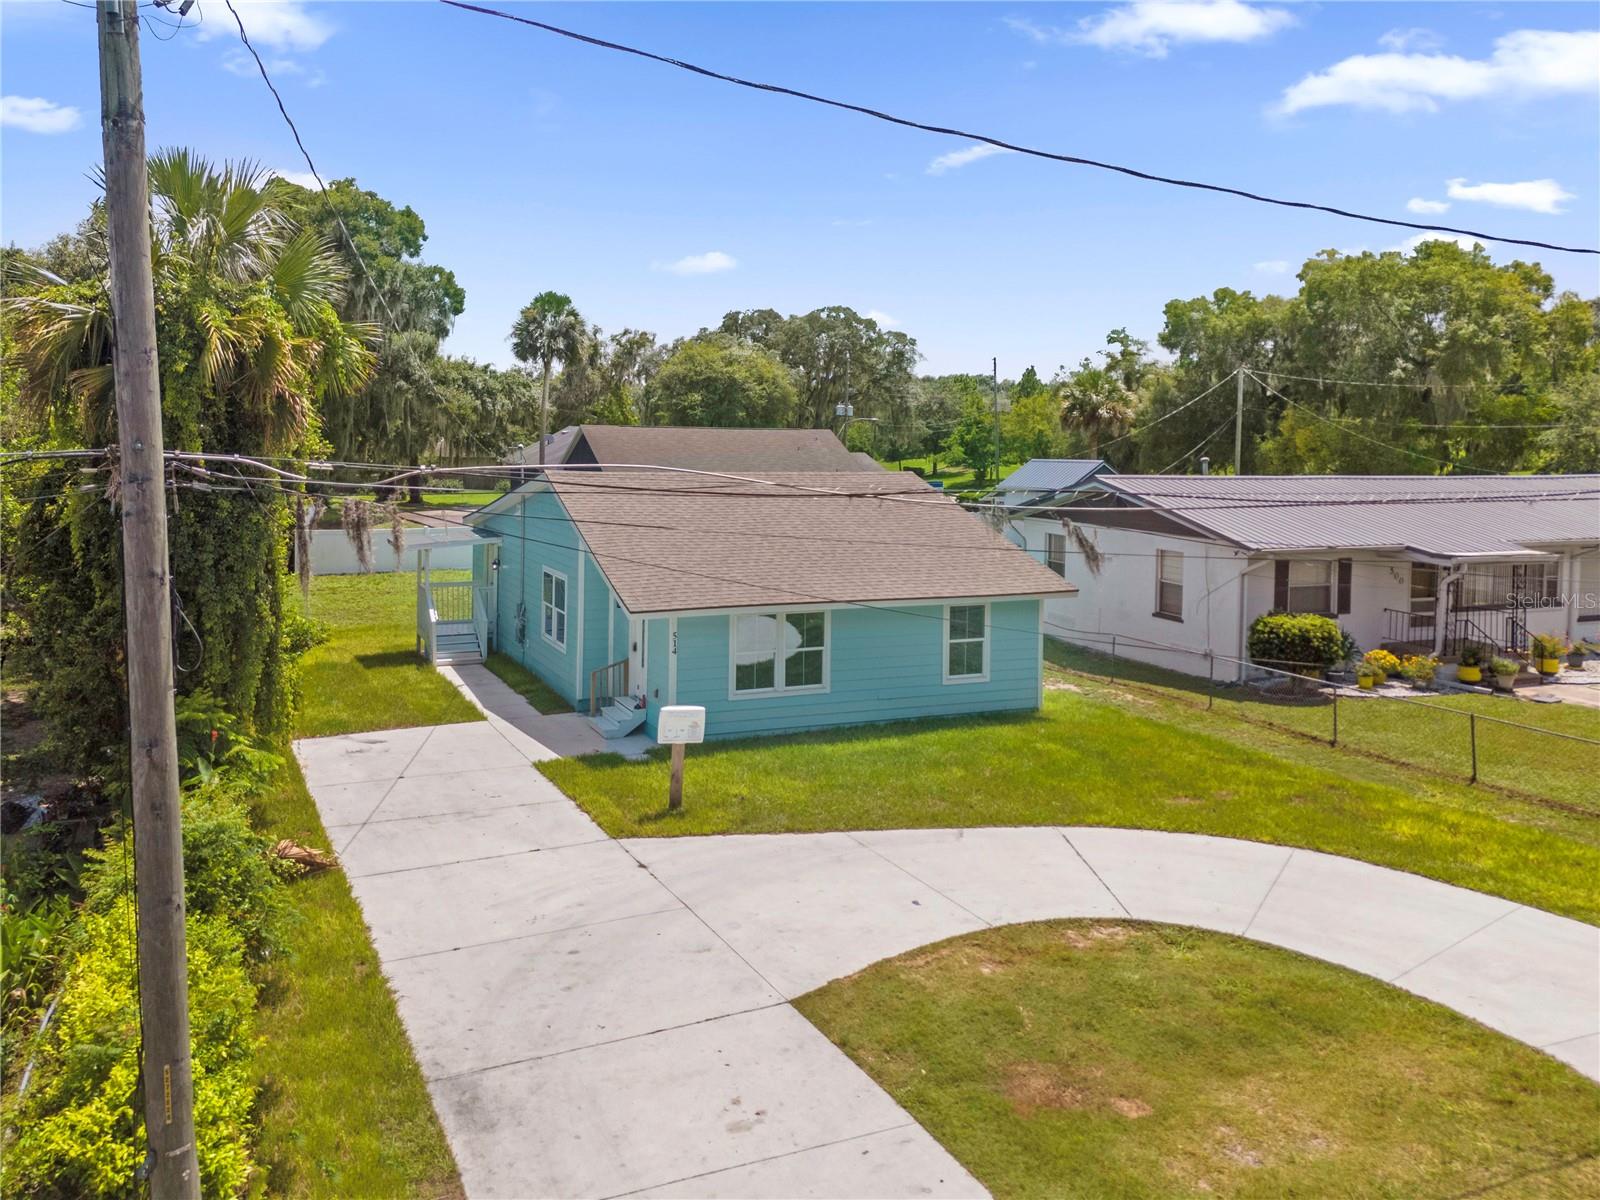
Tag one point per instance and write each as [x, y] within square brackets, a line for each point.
[681, 723]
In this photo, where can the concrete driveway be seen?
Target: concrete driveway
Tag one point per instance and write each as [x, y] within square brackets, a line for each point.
[609, 1018]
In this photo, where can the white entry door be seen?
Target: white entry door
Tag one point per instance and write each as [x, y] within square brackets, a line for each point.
[636, 655]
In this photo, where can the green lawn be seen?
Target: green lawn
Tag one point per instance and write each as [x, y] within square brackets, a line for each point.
[1547, 767]
[368, 675]
[1084, 762]
[344, 1110]
[526, 684]
[1083, 1058]
[954, 478]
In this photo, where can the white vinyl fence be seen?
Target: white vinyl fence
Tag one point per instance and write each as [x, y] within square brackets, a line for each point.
[333, 554]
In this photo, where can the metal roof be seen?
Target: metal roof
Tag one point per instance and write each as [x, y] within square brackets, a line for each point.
[1440, 516]
[1043, 475]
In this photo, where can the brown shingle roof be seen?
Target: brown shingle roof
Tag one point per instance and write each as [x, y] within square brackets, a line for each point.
[706, 449]
[671, 542]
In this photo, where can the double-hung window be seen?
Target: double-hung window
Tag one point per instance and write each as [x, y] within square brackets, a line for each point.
[1169, 584]
[780, 652]
[966, 643]
[553, 608]
[1311, 585]
[1055, 553]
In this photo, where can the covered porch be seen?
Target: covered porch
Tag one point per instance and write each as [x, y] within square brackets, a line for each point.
[456, 617]
[1499, 604]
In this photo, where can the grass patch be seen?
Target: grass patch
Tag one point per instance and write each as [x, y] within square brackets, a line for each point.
[526, 684]
[1435, 738]
[344, 1109]
[1121, 1059]
[954, 478]
[1084, 762]
[367, 675]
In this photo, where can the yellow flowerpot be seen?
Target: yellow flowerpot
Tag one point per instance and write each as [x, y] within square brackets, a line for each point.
[1549, 666]
[1366, 682]
[1470, 674]
[1383, 677]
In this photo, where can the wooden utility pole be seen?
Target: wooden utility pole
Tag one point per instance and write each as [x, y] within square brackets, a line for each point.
[158, 837]
[1238, 421]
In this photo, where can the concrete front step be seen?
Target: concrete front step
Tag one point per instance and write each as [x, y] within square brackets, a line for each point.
[617, 720]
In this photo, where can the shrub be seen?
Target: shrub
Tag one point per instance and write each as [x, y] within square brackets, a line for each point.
[1419, 668]
[228, 869]
[32, 940]
[1548, 646]
[1472, 655]
[1503, 666]
[79, 1128]
[1296, 640]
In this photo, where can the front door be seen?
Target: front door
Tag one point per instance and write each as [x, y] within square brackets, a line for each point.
[1424, 593]
[637, 628]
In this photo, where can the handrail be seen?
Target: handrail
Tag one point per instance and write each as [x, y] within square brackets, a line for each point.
[605, 684]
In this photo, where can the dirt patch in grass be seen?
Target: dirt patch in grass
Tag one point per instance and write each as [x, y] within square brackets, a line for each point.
[1143, 1061]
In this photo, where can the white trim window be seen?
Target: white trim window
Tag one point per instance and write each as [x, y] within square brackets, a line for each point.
[966, 643]
[1169, 584]
[1055, 553]
[553, 608]
[1311, 585]
[778, 652]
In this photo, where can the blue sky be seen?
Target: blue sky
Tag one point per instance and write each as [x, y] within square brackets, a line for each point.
[660, 200]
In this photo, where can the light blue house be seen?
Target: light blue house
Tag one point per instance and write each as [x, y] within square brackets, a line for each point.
[802, 601]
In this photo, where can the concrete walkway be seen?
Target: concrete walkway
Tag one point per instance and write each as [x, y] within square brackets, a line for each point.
[608, 1018]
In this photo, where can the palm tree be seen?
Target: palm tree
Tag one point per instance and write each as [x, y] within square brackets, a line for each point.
[1094, 401]
[255, 296]
[548, 330]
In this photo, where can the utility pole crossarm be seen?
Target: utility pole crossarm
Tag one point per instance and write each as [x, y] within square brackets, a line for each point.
[157, 819]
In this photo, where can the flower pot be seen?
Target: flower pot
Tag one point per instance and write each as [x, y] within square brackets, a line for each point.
[1505, 682]
[1383, 677]
[1549, 666]
[1366, 683]
[1469, 674]
[1575, 660]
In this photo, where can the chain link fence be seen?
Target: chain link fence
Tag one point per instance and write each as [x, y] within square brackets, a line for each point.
[1443, 730]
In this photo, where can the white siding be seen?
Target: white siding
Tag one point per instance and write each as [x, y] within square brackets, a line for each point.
[1121, 599]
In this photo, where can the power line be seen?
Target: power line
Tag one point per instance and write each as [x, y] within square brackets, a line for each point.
[1363, 437]
[306, 154]
[1072, 159]
[1226, 421]
[1172, 412]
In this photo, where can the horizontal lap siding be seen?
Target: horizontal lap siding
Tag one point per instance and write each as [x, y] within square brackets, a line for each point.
[546, 539]
[658, 640]
[884, 666]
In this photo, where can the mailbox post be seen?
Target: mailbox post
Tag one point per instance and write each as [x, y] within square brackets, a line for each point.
[679, 725]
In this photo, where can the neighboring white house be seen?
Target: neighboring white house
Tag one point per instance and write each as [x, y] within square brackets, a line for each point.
[1041, 480]
[1177, 567]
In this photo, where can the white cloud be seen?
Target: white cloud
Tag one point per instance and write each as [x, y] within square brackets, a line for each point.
[1402, 40]
[709, 263]
[239, 62]
[38, 115]
[1273, 266]
[1535, 195]
[1150, 27]
[1529, 62]
[1418, 205]
[280, 24]
[881, 317]
[304, 178]
[960, 158]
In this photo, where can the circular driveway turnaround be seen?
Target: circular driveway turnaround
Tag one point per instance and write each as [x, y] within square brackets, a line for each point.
[607, 1018]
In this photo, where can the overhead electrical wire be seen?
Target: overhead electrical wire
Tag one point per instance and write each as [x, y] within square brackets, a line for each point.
[315, 174]
[1000, 143]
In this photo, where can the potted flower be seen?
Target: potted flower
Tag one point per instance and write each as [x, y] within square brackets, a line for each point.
[1367, 677]
[1547, 651]
[1381, 661]
[1471, 668]
[1420, 670]
[1575, 653]
[1504, 671]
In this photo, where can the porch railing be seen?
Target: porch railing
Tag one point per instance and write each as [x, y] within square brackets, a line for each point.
[481, 596]
[1402, 625]
[607, 683]
[452, 601]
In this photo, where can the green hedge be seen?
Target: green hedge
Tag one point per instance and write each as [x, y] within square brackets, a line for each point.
[1296, 640]
[79, 1130]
